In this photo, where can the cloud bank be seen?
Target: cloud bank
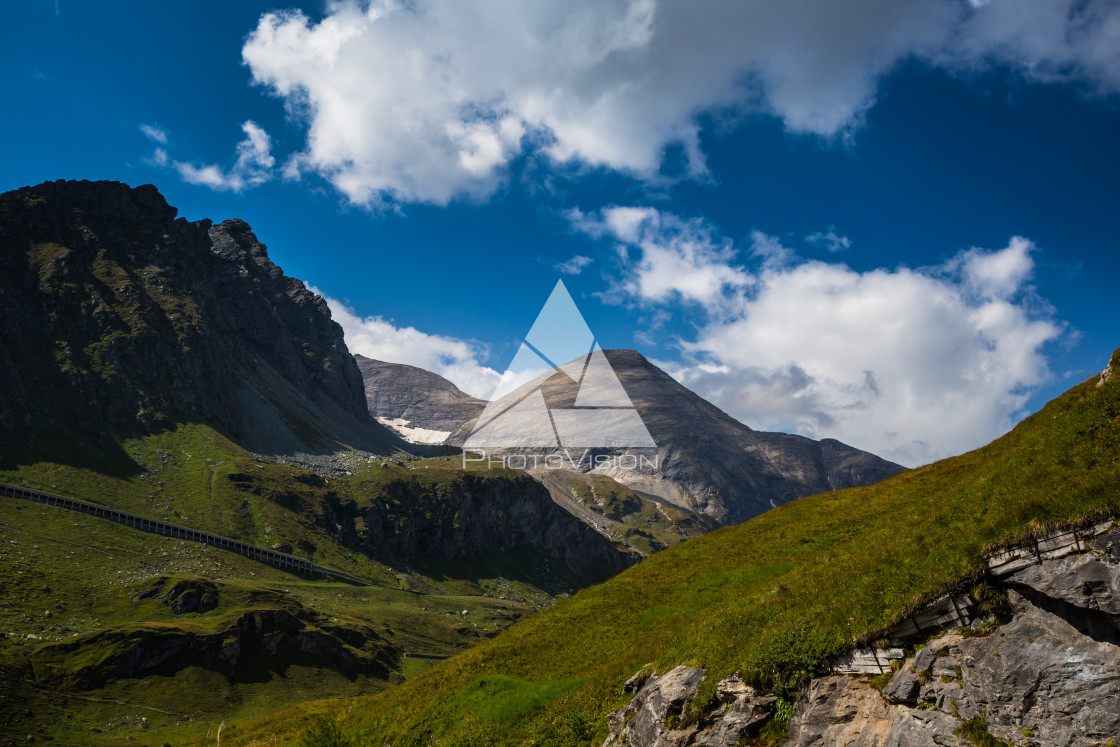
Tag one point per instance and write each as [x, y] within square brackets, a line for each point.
[431, 100]
[378, 338]
[951, 352]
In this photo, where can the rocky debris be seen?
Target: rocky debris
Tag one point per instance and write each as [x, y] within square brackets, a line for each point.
[658, 715]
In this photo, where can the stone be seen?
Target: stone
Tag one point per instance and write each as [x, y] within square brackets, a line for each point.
[658, 715]
[1108, 545]
[1084, 581]
[845, 711]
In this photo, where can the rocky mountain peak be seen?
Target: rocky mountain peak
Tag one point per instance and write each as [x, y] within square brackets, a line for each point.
[124, 316]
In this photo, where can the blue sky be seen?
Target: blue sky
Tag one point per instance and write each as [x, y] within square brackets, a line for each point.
[890, 223]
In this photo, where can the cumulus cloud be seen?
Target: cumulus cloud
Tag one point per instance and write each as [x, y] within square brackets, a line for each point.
[573, 266]
[674, 259]
[378, 338]
[431, 100]
[911, 363]
[252, 168]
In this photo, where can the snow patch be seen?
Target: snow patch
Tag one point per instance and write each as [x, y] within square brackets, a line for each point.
[414, 435]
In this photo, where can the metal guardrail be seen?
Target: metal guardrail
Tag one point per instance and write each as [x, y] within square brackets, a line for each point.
[281, 560]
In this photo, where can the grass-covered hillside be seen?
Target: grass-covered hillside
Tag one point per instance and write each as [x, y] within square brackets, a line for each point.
[109, 632]
[773, 596]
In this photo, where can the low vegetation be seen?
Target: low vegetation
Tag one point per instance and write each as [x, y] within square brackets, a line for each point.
[772, 597]
[76, 592]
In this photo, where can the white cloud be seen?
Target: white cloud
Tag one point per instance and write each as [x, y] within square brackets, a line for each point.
[155, 133]
[431, 100]
[830, 240]
[378, 338]
[677, 259]
[1000, 274]
[252, 168]
[573, 266]
[912, 364]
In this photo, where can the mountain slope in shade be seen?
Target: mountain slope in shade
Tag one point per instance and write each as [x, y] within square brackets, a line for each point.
[118, 315]
[708, 462]
[419, 405]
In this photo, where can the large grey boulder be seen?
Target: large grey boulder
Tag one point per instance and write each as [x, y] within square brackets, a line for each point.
[643, 722]
[658, 716]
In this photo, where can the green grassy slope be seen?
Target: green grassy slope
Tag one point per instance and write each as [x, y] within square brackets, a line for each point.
[68, 604]
[72, 586]
[773, 596]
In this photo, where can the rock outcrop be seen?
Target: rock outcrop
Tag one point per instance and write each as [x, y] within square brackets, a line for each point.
[473, 517]
[118, 316]
[1046, 674]
[658, 714]
[253, 643]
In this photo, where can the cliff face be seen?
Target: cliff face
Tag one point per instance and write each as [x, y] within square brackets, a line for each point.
[119, 315]
[469, 519]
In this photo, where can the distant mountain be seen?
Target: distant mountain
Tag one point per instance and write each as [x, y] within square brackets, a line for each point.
[422, 407]
[710, 464]
[118, 315]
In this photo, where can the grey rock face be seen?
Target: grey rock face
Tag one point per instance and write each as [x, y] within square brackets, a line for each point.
[472, 517]
[424, 399]
[845, 711]
[657, 716]
[1084, 581]
[1108, 545]
[1052, 671]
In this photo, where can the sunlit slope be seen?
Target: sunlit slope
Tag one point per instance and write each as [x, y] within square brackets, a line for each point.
[774, 596]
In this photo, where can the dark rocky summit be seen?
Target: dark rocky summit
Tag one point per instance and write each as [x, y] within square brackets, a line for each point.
[118, 315]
